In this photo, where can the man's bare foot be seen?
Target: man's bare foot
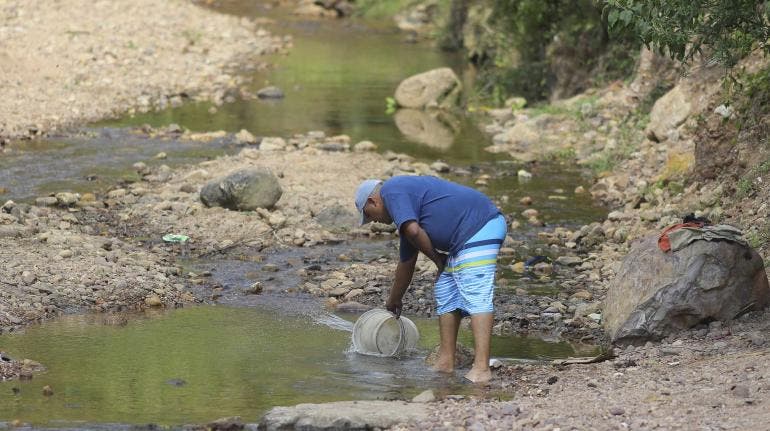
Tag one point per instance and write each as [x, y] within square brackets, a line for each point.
[443, 366]
[479, 376]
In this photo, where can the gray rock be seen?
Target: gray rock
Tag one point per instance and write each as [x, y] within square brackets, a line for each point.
[365, 146]
[440, 167]
[343, 415]
[382, 227]
[438, 87]
[271, 92]
[244, 137]
[28, 277]
[569, 260]
[586, 309]
[67, 199]
[272, 144]
[669, 112]
[13, 231]
[425, 397]
[656, 294]
[226, 424]
[244, 190]
[724, 111]
[339, 291]
[333, 146]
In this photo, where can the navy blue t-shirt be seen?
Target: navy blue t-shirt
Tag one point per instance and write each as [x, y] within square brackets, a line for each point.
[449, 213]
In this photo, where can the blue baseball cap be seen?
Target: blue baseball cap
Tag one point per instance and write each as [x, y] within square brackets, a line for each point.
[363, 192]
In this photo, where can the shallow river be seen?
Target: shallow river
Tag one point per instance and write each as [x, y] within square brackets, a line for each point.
[244, 356]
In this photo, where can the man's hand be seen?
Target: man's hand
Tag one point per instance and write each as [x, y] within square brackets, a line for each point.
[404, 272]
[394, 306]
[440, 264]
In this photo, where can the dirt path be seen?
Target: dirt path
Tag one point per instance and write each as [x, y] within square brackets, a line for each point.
[73, 61]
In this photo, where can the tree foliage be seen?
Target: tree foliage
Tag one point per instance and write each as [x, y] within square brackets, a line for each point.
[724, 30]
[542, 31]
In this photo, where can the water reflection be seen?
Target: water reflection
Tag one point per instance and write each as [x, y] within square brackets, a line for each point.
[436, 129]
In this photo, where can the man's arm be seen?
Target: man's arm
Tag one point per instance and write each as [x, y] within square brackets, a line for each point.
[404, 273]
[417, 236]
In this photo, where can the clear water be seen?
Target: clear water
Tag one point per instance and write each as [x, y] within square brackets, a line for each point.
[198, 364]
[336, 78]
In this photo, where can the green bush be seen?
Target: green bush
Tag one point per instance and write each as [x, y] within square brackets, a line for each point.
[543, 32]
[682, 29]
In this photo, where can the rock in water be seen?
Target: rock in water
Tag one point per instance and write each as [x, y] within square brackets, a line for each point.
[437, 87]
[244, 190]
[271, 92]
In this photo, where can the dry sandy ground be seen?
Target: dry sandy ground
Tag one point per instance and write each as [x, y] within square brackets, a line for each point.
[73, 61]
[713, 378]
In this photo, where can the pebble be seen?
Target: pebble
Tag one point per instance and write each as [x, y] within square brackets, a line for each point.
[28, 277]
[153, 301]
[364, 146]
[569, 260]
[440, 167]
[425, 397]
[617, 411]
[338, 291]
[255, 289]
[583, 295]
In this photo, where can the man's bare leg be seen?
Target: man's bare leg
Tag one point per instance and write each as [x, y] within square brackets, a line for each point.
[481, 324]
[448, 325]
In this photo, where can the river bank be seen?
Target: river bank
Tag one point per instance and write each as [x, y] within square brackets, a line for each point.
[76, 61]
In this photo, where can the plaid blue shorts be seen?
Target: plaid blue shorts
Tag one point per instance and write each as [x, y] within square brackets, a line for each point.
[468, 281]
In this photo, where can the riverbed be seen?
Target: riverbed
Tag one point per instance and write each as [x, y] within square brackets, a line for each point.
[251, 352]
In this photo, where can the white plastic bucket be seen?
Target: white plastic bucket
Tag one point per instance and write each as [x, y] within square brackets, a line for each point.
[377, 332]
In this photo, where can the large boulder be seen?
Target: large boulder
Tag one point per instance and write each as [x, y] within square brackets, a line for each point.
[656, 294]
[343, 415]
[244, 190]
[436, 88]
[668, 113]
